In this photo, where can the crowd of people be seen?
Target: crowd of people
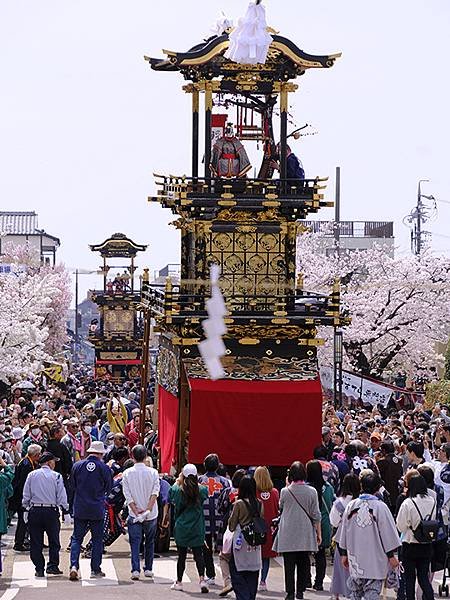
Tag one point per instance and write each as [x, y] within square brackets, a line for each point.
[374, 494]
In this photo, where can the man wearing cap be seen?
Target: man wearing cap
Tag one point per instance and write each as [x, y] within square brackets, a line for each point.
[44, 493]
[91, 480]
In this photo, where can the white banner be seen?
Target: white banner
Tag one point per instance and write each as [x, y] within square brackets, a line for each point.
[357, 387]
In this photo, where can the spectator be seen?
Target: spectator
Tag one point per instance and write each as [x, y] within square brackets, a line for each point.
[188, 498]
[299, 531]
[91, 480]
[213, 521]
[26, 466]
[269, 498]
[141, 489]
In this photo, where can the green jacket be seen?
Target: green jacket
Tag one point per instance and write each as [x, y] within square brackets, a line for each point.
[189, 531]
[327, 503]
[6, 491]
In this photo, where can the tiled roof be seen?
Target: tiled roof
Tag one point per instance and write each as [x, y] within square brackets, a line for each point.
[18, 222]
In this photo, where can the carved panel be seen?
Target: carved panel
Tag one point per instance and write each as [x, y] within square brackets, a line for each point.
[167, 370]
[253, 368]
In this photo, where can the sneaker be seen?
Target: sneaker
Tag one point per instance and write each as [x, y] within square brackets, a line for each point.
[210, 581]
[20, 549]
[318, 587]
[97, 574]
[148, 573]
[39, 573]
[135, 575]
[177, 586]
[73, 575]
[225, 590]
[203, 587]
[263, 586]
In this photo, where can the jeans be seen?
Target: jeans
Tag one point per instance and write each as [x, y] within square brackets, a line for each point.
[245, 583]
[208, 549]
[137, 531]
[44, 520]
[80, 528]
[265, 569]
[416, 561]
[181, 563]
[292, 561]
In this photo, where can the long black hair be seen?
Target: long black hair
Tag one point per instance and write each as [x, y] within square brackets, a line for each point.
[190, 491]
[247, 491]
[314, 477]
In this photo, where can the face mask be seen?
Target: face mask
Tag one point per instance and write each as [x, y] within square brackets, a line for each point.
[35, 431]
[87, 429]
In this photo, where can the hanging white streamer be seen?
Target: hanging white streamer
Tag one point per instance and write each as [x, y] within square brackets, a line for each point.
[213, 348]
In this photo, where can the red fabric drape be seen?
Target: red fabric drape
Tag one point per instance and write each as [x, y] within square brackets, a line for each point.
[255, 422]
[167, 427]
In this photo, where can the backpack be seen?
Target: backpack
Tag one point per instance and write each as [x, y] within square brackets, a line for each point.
[255, 532]
[426, 530]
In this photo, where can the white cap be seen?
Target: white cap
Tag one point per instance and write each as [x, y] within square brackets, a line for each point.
[97, 448]
[189, 469]
[17, 433]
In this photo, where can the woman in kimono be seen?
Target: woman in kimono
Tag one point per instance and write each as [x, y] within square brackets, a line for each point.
[325, 494]
[350, 490]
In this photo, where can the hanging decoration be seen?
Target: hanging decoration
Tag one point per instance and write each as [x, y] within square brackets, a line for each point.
[213, 348]
[250, 41]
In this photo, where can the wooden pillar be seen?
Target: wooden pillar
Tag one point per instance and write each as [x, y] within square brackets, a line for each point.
[195, 132]
[208, 112]
[144, 374]
[283, 136]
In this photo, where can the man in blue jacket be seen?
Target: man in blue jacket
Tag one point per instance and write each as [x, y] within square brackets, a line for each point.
[91, 480]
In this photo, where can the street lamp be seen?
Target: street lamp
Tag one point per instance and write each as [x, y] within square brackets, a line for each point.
[337, 362]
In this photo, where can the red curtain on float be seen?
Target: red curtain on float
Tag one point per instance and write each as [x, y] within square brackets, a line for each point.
[255, 422]
[167, 427]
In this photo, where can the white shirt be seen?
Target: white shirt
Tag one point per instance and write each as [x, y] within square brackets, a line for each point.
[139, 483]
[408, 517]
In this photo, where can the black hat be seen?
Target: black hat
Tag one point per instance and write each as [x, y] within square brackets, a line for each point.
[46, 456]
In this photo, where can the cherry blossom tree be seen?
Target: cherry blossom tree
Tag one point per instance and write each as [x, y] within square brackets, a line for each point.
[400, 307]
[33, 306]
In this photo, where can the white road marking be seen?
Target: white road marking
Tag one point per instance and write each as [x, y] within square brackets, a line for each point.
[107, 567]
[166, 569]
[23, 576]
[9, 594]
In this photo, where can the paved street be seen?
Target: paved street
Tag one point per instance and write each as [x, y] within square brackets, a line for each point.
[18, 579]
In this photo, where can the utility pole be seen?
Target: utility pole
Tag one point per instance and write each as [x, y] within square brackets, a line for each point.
[419, 215]
[337, 212]
[75, 350]
[145, 354]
